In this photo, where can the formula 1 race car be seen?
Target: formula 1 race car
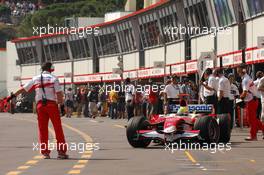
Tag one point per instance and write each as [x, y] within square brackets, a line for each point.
[196, 123]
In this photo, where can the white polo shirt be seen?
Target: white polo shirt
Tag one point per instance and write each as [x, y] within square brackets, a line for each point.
[213, 83]
[51, 86]
[234, 92]
[224, 85]
[248, 85]
[256, 83]
[172, 91]
[130, 91]
[261, 84]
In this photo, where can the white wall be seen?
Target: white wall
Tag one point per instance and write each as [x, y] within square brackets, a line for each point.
[30, 71]
[201, 44]
[152, 55]
[83, 67]
[115, 15]
[88, 21]
[3, 59]
[131, 61]
[227, 41]
[254, 29]
[107, 64]
[11, 68]
[175, 53]
[61, 68]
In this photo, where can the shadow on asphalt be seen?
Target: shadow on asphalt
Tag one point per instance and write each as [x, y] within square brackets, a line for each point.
[239, 145]
[87, 159]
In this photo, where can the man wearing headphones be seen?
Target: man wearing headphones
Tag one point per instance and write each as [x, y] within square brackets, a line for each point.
[48, 95]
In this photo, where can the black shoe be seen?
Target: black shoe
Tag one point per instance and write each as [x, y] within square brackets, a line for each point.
[63, 156]
[46, 156]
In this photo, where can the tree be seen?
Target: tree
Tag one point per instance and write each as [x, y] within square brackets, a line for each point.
[6, 33]
[55, 14]
[4, 11]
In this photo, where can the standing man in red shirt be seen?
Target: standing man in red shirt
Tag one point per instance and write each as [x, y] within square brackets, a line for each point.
[152, 102]
[48, 95]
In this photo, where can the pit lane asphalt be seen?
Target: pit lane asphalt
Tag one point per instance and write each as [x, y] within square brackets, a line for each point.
[116, 156]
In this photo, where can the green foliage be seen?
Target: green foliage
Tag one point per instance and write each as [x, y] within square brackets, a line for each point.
[6, 33]
[55, 14]
[4, 10]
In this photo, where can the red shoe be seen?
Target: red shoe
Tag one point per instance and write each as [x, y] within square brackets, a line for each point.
[251, 139]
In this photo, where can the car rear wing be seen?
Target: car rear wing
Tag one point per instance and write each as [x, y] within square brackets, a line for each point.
[193, 108]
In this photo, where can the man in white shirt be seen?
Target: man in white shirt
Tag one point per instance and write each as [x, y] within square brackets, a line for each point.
[129, 97]
[223, 94]
[171, 93]
[234, 93]
[248, 95]
[259, 75]
[172, 90]
[210, 88]
[261, 89]
[48, 95]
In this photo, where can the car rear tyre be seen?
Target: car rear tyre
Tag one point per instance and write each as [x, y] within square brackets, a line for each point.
[135, 124]
[225, 127]
[209, 129]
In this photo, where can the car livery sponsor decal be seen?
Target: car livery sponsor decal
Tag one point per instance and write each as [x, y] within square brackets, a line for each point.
[194, 108]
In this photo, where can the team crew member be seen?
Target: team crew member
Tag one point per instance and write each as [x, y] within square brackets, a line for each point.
[12, 104]
[259, 75]
[234, 93]
[129, 97]
[152, 102]
[223, 94]
[261, 89]
[248, 95]
[48, 95]
[69, 102]
[113, 97]
[210, 88]
[171, 94]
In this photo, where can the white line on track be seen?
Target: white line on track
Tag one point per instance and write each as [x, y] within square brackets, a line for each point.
[94, 121]
[205, 169]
